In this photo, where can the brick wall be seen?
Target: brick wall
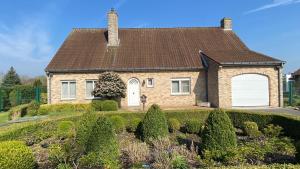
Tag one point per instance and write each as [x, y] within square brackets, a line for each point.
[160, 94]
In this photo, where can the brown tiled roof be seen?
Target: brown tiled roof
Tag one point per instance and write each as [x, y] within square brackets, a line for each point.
[150, 49]
[297, 73]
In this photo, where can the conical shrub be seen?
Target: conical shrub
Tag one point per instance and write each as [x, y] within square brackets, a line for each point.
[218, 133]
[154, 124]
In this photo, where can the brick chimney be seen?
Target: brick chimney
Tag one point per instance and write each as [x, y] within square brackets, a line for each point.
[113, 28]
[226, 24]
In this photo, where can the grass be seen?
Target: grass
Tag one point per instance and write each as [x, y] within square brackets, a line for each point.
[3, 117]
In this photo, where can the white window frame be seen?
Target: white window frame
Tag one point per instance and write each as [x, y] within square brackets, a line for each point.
[180, 88]
[94, 82]
[61, 92]
[147, 84]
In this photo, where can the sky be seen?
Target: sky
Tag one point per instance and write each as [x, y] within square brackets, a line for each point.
[31, 31]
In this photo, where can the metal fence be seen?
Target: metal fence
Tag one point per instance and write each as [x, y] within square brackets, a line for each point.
[292, 96]
[10, 97]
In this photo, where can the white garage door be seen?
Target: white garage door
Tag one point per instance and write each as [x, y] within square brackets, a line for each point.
[250, 90]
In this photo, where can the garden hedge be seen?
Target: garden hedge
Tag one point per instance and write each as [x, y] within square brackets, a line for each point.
[291, 125]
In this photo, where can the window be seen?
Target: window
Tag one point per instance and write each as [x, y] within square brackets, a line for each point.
[181, 86]
[150, 82]
[68, 90]
[89, 88]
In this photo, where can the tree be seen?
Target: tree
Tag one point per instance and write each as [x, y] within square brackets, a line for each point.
[154, 124]
[218, 133]
[11, 78]
[110, 86]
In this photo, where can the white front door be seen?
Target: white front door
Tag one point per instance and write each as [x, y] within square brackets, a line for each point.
[250, 90]
[133, 92]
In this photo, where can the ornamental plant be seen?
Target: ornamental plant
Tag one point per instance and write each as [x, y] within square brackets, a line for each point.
[218, 133]
[16, 155]
[154, 125]
[110, 86]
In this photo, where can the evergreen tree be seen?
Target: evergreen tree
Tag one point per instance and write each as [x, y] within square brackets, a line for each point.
[11, 78]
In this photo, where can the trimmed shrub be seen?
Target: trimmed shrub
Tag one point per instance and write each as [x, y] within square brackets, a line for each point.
[192, 126]
[17, 112]
[118, 123]
[33, 108]
[84, 129]
[154, 124]
[133, 124]
[109, 105]
[96, 105]
[251, 129]
[218, 132]
[173, 124]
[64, 166]
[179, 162]
[297, 145]
[103, 142]
[16, 155]
[272, 130]
[66, 129]
[66, 107]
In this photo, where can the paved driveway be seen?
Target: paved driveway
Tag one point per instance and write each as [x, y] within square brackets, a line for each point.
[274, 110]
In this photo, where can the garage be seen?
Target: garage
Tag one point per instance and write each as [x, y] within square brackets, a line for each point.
[250, 90]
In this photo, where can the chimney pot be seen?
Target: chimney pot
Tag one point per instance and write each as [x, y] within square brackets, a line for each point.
[113, 28]
[226, 23]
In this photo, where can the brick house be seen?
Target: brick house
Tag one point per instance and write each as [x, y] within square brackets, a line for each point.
[296, 78]
[171, 66]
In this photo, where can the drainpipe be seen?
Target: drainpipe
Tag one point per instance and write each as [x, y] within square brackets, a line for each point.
[280, 92]
[49, 77]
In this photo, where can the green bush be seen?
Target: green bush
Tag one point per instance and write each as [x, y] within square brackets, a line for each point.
[272, 130]
[89, 161]
[251, 129]
[192, 126]
[64, 166]
[17, 112]
[218, 132]
[16, 155]
[84, 130]
[133, 124]
[154, 124]
[297, 145]
[66, 107]
[33, 108]
[97, 105]
[179, 162]
[66, 129]
[109, 105]
[173, 124]
[103, 142]
[118, 123]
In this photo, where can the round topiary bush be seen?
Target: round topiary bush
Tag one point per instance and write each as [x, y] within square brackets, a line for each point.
[192, 126]
[154, 124]
[16, 155]
[118, 123]
[133, 124]
[173, 124]
[218, 132]
[97, 105]
[109, 105]
[251, 129]
[103, 142]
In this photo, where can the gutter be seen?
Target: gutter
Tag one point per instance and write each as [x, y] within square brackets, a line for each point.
[124, 69]
[49, 76]
[268, 63]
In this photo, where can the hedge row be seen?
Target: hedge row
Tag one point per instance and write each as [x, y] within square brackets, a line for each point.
[291, 126]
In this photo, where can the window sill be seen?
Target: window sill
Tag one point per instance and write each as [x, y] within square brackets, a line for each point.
[68, 99]
[92, 98]
[180, 94]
